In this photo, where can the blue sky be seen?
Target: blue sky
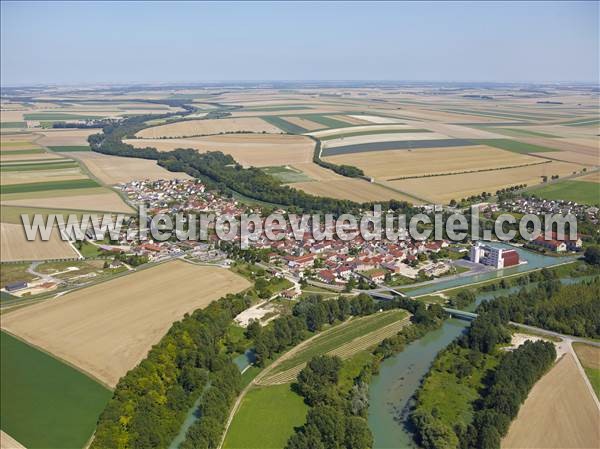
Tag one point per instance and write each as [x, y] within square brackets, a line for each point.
[69, 43]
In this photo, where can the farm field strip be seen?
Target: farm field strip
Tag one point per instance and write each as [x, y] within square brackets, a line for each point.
[116, 322]
[20, 177]
[457, 186]
[333, 133]
[396, 145]
[376, 119]
[285, 125]
[189, 128]
[374, 139]
[335, 338]
[427, 161]
[308, 125]
[46, 165]
[258, 150]
[345, 351]
[386, 131]
[513, 145]
[50, 185]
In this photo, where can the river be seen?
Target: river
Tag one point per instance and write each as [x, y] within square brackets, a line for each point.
[400, 376]
[534, 261]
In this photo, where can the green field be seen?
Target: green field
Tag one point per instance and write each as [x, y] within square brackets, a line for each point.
[368, 133]
[52, 185]
[339, 335]
[67, 149]
[583, 192]
[27, 151]
[512, 145]
[34, 167]
[276, 108]
[13, 125]
[12, 272]
[286, 174]
[266, 418]
[283, 125]
[516, 132]
[327, 121]
[451, 397]
[58, 116]
[45, 403]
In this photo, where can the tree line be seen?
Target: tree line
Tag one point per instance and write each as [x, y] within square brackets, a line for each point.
[568, 309]
[504, 390]
[150, 402]
[337, 418]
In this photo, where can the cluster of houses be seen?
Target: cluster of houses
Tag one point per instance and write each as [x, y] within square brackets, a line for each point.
[539, 206]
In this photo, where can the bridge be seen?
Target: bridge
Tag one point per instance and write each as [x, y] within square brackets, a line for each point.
[460, 314]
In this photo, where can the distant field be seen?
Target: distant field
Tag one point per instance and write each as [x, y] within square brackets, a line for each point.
[395, 145]
[115, 323]
[326, 120]
[391, 164]
[4, 125]
[374, 132]
[46, 404]
[521, 132]
[578, 191]
[116, 169]
[285, 125]
[258, 150]
[51, 165]
[18, 152]
[351, 189]
[100, 199]
[303, 123]
[58, 116]
[514, 146]
[446, 188]
[266, 418]
[45, 186]
[209, 127]
[561, 398]
[66, 149]
[66, 137]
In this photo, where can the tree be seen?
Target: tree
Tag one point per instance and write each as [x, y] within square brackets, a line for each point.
[592, 255]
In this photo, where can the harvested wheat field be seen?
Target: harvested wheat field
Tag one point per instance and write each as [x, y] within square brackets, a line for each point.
[208, 127]
[352, 189]
[20, 177]
[592, 177]
[558, 413]
[401, 163]
[116, 169]
[259, 150]
[15, 156]
[446, 188]
[107, 329]
[572, 156]
[15, 247]
[100, 199]
[66, 137]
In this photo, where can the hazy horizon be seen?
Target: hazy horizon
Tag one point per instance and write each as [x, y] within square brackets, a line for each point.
[57, 43]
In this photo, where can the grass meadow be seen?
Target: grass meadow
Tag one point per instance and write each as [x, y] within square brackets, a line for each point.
[579, 191]
[46, 404]
[266, 418]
